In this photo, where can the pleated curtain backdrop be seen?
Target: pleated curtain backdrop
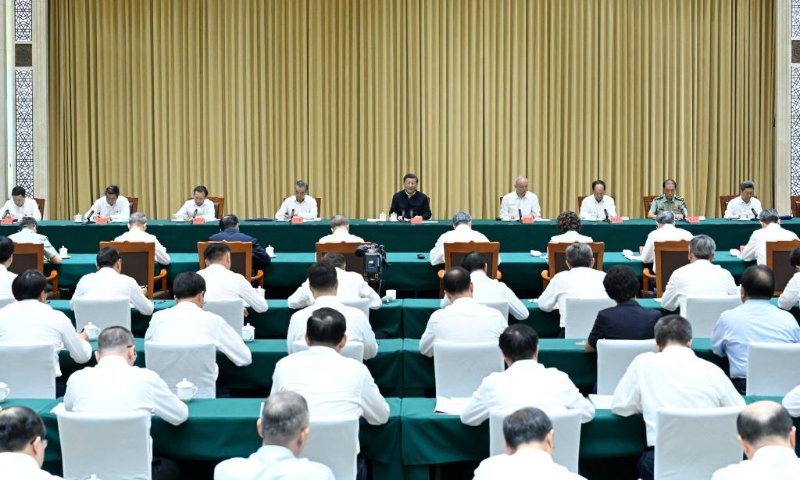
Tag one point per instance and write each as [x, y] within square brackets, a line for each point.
[247, 96]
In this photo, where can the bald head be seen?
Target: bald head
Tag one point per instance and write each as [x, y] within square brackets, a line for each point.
[764, 424]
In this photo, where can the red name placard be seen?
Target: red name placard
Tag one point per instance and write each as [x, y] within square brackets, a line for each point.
[100, 220]
[693, 219]
[616, 219]
[416, 220]
[527, 219]
[7, 221]
[296, 220]
[198, 220]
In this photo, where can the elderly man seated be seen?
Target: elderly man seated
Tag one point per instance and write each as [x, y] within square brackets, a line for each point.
[462, 232]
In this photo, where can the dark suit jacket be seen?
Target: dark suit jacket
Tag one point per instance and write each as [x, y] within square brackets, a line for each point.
[260, 258]
[418, 203]
[627, 321]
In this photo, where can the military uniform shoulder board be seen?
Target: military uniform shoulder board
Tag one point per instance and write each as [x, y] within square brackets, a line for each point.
[680, 199]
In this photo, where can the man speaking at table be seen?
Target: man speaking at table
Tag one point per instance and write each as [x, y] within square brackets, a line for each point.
[598, 205]
[520, 201]
[298, 205]
[745, 204]
[410, 202]
[199, 206]
[19, 206]
[112, 205]
[668, 202]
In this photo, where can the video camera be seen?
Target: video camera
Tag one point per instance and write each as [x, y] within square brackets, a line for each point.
[374, 262]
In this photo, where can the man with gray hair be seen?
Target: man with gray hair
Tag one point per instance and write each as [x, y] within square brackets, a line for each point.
[580, 280]
[340, 232]
[283, 427]
[665, 232]
[28, 234]
[137, 232]
[745, 205]
[462, 232]
[520, 202]
[700, 277]
[298, 205]
[770, 231]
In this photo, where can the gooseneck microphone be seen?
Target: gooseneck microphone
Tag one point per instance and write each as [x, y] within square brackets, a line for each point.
[195, 213]
[89, 216]
[605, 210]
[519, 211]
[755, 215]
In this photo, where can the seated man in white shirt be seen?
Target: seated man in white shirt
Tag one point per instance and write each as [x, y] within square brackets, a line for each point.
[520, 202]
[672, 378]
[223, 284]
[745, 205]
[198, 206]
[791, 293]
[187, 322]
[569, 224]
[700, 277]
[6, 258]
[462, 232]
[323, 285]
[332, 384]
[768, 438]
[19, 206]
[485, 289]
[112, 205]
[770, 231]
[283, 428]
[351, 286]
[298, 205]
[137, 232]
[529, 442]
[465, 320]
[340, 232]
[526, 382]
[665, 232]
[109, 282]
[579, 281]
[28, 233]
[22, 445]
[598, 205]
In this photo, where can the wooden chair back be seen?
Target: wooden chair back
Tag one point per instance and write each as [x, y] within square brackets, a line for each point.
[319, 206]
[669, 256]
[778, 261]
[40, 205]
[354, 263]
[454, 254]
[794, 200]
[557, 256]
[134, 201]
[724, 200]
[647, 202]
[27, 256]
[241, 259]
[139, 263]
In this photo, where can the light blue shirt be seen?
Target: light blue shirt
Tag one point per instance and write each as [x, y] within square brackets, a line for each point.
[272, 462]
[753, 321]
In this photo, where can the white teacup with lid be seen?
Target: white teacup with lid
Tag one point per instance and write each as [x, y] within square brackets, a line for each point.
[186, 390]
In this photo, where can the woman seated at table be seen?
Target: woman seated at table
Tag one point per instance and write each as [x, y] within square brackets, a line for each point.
[569, 224]
[628, 320]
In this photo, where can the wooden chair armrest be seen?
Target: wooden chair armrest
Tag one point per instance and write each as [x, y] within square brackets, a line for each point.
[258, 277]
[440, 274]
[499, 275]
[546, 275]
[646, 275]
[53, 277]
[161, 277]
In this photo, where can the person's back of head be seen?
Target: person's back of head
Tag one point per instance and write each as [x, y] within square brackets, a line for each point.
[764, 424]
[335, 259]
[794, 257]
[228, 221]
[758, 282]
[107, 257]
[568, 222]
[528, 427]
[326, 327]
[519, 342]
[702, 247]
[29, 285]
[22, 431]
[322, 277]
[462, 218]
[673, 330]
[473, 261]
[188, 285]
[137, 219]
[216, 252]
[27, 222]
[6, 249]
[770, 215]
[456, 281]
[665, 218]
[339, 221]
[621, 283]
[114, 340]
[284, 421]
[579, 255]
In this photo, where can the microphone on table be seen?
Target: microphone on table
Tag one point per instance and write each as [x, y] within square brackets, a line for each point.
[755, 215]
[403, 216]
[89, 216]
[605, 210]
[519, 210]
[412, 214]
[291, 214]
[7, 213]
[195, 213]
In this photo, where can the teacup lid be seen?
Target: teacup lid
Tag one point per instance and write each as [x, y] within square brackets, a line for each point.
[249, 327]
[185, 384]
[3, 385]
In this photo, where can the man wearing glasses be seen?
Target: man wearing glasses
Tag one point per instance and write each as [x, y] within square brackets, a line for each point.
[22, 444]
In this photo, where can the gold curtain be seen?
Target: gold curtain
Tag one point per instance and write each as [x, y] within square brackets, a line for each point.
[247, 96]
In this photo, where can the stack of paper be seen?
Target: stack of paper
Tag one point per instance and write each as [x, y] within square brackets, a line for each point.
[451, 406]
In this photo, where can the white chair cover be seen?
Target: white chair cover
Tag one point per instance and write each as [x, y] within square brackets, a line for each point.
[499, 305]
[6, 301]
[359, 303]
[231, 310]
[333, 441]
[773, 369]
[580, 314]
[354, 349]
[693, 443]
[613, 359]
[703, 312]
[460, 367]
[29, 370]
[113, 446]
[103, 313]
[196, 362]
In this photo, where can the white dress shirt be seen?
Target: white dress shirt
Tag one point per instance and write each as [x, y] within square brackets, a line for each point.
[20, 466]
[465, 321]
[701, 278]
[358, 327]
[674, 378]
[272, 462]
[106, 283]
[769, 462]
[137, 235]
[512, 204]
[462, 233]
[737, 207]
[570, 236]
[29, 208]
[223, 284]
[756, 248]
[591, 209]
[306, 210]
[332, 385]
[6, 279]
[526, 383]
[791, 402]
[113, 386]
[667, 233]
[206, 210]
[791, 293]
[525, 464]
[119, 212]
[351, 287]
[31, 321]
[579, 282]
[341, 235]
[187, 323]
[485, 289]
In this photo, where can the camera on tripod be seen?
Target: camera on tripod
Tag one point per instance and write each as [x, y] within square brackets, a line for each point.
[374, 262]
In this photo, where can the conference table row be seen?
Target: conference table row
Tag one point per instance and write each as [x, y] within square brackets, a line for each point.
[413, 439]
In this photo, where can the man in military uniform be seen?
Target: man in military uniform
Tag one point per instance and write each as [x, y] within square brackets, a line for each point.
[669, 202]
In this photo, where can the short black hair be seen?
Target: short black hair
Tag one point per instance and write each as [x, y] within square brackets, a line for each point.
[758, 281]
[228, 221]
[216, 251]
[28, 285]
[107, 257]
[322, 276]
[410, 175]
[669, 180]
[27, 222]
[747, 184]
[526, 425]
[673, 329]
[621, 283]
[794, 257]
[114, 338]
[598, 182]
[755, 428]
[19, 427]
[202, 189]
[473, 261]
[456, 280]
[326, 326]
[335, 259]
[188, 285]
[519, 342]
[17, 191]
[6, 249]
[112, 190]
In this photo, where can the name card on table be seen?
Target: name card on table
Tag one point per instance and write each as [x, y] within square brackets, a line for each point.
[641, 250]
[616, 219]
[416, 220]
[7, 221]
[198, 220]
[297, 220]
[693, 219]
[100, 220]
[527, 219]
